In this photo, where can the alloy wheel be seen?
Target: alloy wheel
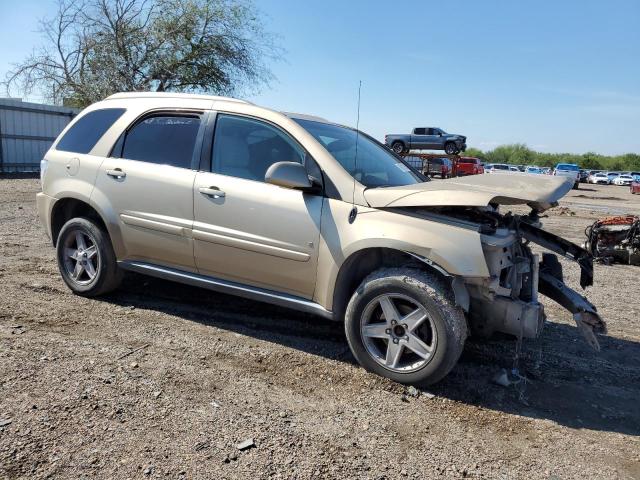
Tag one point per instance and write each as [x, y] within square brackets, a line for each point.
[398, 333]
[81, 257]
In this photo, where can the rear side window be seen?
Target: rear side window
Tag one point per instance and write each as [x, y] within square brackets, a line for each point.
[420, 131]
[163, 139]
[85, 133]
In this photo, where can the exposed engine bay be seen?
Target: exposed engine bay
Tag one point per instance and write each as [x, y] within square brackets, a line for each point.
[507, 301]
[615, 239]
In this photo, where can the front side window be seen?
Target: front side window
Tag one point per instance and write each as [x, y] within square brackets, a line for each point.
[85, 133]
[375, 165]
[163, 139]
[246, 148]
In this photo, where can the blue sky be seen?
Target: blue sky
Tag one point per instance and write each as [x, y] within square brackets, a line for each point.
[556, 75]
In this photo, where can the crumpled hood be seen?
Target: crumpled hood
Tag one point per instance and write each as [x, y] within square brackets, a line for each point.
[538, 191]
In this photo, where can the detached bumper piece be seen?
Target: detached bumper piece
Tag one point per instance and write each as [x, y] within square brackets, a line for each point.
[551, 284]
[584, 313]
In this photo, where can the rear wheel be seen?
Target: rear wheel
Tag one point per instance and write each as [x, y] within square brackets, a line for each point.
[403, 324]
[398, 147]
[86, 258]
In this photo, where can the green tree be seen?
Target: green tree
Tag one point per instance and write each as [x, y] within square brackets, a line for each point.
[520, 154]
[473, 152]
[95, 48]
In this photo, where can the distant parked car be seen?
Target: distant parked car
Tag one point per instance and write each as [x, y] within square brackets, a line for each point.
[583, 175]
[612, 176]
[635, 185]
[534, 170]
[513, 168]
[469, 166]
[546, 170]
[441, 166]
[496, 168]
[569, 170]
[599, 178]
[623, 180]
[427, 138]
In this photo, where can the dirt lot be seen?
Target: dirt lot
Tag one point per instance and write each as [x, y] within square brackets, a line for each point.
[162, 381]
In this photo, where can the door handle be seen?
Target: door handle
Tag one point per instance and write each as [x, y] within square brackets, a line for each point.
[116, 173]
[211, 192]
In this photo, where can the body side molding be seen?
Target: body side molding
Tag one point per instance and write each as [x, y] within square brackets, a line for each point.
[226, 286]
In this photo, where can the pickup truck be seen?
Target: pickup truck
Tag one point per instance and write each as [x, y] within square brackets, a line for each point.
[469, 166]
[427, 138]
[568, 170]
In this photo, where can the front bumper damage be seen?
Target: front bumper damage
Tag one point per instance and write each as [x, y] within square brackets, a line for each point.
[508, 301]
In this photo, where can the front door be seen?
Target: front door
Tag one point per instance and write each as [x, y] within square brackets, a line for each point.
[249, 231]
[432, 140]
[148, 182]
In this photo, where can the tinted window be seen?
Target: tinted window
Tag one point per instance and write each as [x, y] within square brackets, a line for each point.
[163, 139]
[246, 148]
[567, 166]
[419, 131]
[85, 133]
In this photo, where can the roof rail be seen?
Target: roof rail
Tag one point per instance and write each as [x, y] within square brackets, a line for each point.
[122, 95]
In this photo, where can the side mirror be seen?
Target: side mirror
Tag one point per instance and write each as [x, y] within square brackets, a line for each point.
[288, 175]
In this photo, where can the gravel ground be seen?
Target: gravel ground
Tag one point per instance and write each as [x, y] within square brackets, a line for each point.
[160, 380]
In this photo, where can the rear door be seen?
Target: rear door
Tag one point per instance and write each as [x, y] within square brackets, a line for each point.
[247, 230]
[148, 182]
[418, 138]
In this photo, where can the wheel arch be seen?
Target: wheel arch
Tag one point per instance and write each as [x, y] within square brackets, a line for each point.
[363, 262]
[67, 208]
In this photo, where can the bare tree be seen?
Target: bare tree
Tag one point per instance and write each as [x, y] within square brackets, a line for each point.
[94, 48]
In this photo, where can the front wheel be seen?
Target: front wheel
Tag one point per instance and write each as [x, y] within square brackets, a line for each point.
[451, 148]
[398, 147]
[403, 324]
[86, 258]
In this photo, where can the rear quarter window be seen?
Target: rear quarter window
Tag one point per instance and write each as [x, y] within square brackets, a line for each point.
[85, 133]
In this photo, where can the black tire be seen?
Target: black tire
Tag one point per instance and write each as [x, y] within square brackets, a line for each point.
[576, 186]
[398, 147]
[451, 148]
[429, 291]
[107, 274]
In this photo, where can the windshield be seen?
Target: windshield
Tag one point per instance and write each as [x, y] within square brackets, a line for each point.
[497, 166]
[567, 166]
[375, 167]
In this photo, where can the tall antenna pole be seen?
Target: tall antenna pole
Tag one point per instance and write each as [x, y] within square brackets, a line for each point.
[354, 210]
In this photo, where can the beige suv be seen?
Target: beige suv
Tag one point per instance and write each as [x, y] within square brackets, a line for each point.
[300, 212]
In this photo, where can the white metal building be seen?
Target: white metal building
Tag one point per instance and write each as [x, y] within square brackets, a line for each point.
[27, 131]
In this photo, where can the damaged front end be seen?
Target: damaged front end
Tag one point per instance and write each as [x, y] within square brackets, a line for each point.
[507, 301]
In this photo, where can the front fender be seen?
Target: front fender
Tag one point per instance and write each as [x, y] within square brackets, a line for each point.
[456, 250]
